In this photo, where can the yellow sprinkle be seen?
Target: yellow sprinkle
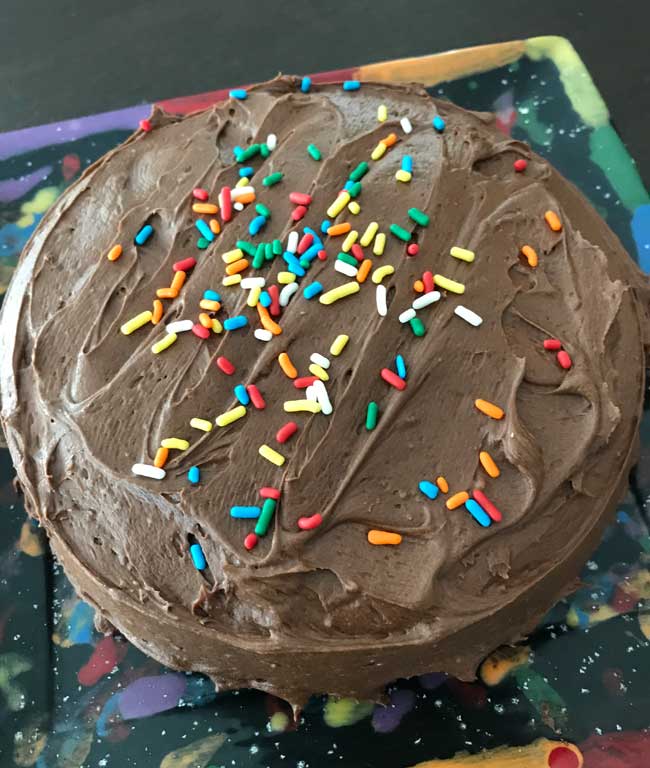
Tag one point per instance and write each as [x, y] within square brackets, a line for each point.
[338, 205]
[230, 257]
[317, 370]
[382, 113]
[448, 285]
[378, 151]
[371, 231]
[216, 326]
[354, 207]
[203, 424]
[254, 296]
[403, 176]
[380, 244]
[347, 289]
[295, 406]
[381, 272]
[462, 253]
[136, 322]
[270, 455]
[229, 416]
[243, 182]
[231, 280]
[350, 240]
[338, 345]
[175, 442]
[161, 345]
[284, 278]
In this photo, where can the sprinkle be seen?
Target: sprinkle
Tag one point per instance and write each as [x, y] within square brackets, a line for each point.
[384, 537]
[305, 84]
[347, 289]
[372, 412]
[216, 326]
[428, 283]
[147, 470]
[379, 151]
[400, 232]
[364, 270]
[417, 326]
[253, 296]
[286, 431]
[268, 510]
[463, 254]
[406, 125]
[487, 505]
[407, 163]
[266, 452]
[412, 249]
[184, 265]
[166, 293]
[298, 213]
[368, 235]
[144, 234]
[314, 152]
[403, 176]
[179, 326]
[438, 123]
[261, 334]
[233, 323]
[241, 394]
[238, 93]
[231, 280]
[231, 257]
[338, 205]
[393, 379]
[214, 225]
[142, 319]
[268, 492]
[256, 397]
[488, 464]
[319, 359]
[407, 315]
[468, 315]
[381, 300]
[346, 258]
[203, 424]
[520, 165]
[552, 344]
[428, 489]
[162, 454]
[175, 443]
[338, 345]
[245, 513]
[163, 344]
[256, 225]
[226, 202]
[267, 322]
[224, 419]
[442, 484]
[258, 259]
[288, 368]
[380, 244]
[250, 541]
[418, 216]
[448, 285]
[115, 253]
[263, 210]
[271, 141]
[296, 406]
[382, 113]
[204, 229]
[530, 255]
[157, 313]
[272, 179]
[198, 558]
[418, 286]
[400, 366]
[178, 281]
[287, 292]
[225, 365]
[478, 513]
[339, 229]
[390, 140]
[489, 409]
[351, 85]
[318, 370]
[193, 475]
[200, 331]
[426, 300]
[200, 194]
[457, 500]
[553, 220]
[381, 272]
[304, 381]
[252, 282]
[322, 398]
[311, 522]
[564, 360]
[354, 208]
[205, 208]
[246, 173]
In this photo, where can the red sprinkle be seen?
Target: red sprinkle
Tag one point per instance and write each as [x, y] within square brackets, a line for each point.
[322, 255]
[298, 213]
[357, 251]
[250, 542]
[520, 165]
[256, 397]
[200, 194]
[302, 382]
[145, 125]
[413, 249]
[427, 281]
[226, 204]
[225, 365]
[274, 292]
[285, 432]
[309, 523]
[305, 241]
[200, 331]
[268, 492]
[552, 344]
[185, 265]
[300, 198]
[392, 378]
[564, 360]
[487, 505]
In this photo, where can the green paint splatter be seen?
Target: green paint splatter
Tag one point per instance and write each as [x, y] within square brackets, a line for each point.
[340, 712]
[544, 698]
[608, 152]
[528, 119]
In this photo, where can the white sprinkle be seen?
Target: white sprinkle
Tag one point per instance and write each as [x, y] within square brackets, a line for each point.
[345, 269]
[310, 394]
[271, 141]
[238, 192]
[252, 282]
[407, 314]
[148, 470]
[406, 125]
[286, 293]
[380, 297]
[424, 301]
[178, 326]
[238, 206]
[262, 334]
[322, 397]
[471, 317]
[292, 241]
[319, 359]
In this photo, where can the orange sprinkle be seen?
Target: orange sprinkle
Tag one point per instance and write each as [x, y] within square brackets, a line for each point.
[205, 208]
[215, 227]
[442, 484]
[390, 140]
[247, 197]
[339, 229]
[205, 320]
[161, 457]
[457, 499]
[115, 253]
[209, 305]
[157, 314]
[418, 286]
[287, 366]
[237, 266]
[488, 464]
[384, 537]
[267, 321]
[553, 220]
[489, 409]
[179, 279]
[530, 254]
[364, 270]
[166, 293]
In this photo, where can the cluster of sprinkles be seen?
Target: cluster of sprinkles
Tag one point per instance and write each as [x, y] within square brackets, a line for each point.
[303, 246]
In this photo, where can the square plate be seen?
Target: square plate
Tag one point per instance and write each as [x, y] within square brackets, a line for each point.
[71, 697]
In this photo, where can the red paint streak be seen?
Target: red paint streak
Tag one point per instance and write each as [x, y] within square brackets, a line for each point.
[105, 657]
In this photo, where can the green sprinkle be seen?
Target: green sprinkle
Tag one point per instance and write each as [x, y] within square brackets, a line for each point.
[359, 172]
[371, 415]
[314, 152]
[417, 326]
[268, 251]
[277, 248]
[202, 243]
[355, 189]
[263, 210]
[264, 150]
[258, 259]
[347, 259]
[249, 152]
[419, 217]
[264, 520]
[246, 247]
[400, 232]
[272, 179]
[305, 263]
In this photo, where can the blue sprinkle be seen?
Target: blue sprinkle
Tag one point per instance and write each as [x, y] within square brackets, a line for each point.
[237, 152]
[429, 489]
[198, 558]
[305, 85]
[293, 264]
[256, 224]
[311, 290]
[310, 231]
[204, 229]
[242, 395]
[245, 513]
[478, 513]
[407, 163]
[238, 93]
[193, 475]
[233, 323]
[348, 185]
[310, 254]
[247, 171]
[438, 124]
[400, 366]
[325, 225]
[351, 85]
[265, 300]
[211, 295]
[144, 234]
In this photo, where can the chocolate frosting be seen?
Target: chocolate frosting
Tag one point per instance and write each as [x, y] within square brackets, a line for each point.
[324, 610]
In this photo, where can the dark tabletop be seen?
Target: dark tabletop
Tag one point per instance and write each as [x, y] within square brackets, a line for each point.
[69, 58]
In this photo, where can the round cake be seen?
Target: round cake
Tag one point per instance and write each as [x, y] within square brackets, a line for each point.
[326, 385]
